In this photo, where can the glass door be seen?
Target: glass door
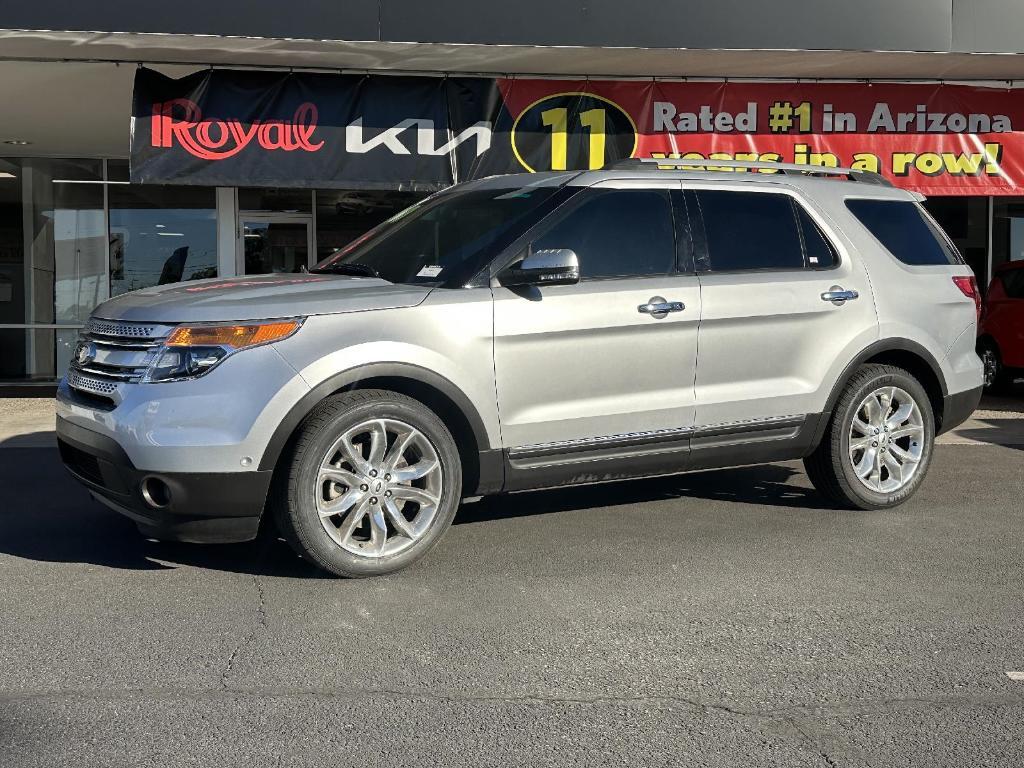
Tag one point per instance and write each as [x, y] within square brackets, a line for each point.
[273, 243]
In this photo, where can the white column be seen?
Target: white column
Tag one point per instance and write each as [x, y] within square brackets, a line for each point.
[227, 232]
[987, 277]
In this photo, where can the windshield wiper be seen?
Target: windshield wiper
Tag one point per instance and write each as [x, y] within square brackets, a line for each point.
[363, 270]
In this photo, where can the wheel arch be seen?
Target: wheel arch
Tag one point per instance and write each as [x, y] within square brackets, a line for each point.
[902, 353]
[483, 469]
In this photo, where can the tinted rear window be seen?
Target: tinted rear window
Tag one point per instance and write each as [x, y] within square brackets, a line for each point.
[905, 231]
[1013, 283]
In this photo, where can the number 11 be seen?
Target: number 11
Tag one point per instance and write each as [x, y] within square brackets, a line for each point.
[558, 121]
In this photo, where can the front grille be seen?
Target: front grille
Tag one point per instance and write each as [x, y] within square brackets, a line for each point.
[90, 383]
[118, 352]
[83, 464]
[129, 330]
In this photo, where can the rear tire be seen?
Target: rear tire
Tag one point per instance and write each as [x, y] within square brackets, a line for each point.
[372, 483]
[878, 442]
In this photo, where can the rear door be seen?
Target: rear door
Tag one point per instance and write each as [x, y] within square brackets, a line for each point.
[584, 363]
[769, 332]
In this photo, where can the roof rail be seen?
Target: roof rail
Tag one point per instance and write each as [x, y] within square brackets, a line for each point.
[697, 164]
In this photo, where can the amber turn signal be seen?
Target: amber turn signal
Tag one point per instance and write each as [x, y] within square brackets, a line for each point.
[234, 336]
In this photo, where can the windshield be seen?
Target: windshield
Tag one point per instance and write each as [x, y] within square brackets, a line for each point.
[446, 239]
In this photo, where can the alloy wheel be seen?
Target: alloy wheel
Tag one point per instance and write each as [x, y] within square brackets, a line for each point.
[887, 440]
[378, 488]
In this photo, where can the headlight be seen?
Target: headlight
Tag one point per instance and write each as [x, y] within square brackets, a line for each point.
[194, 350]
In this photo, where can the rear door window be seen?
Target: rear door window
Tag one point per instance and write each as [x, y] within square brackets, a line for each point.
[906, 231]
[750, 231]
[1013, 283]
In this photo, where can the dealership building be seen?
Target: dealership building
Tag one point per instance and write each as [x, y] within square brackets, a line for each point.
[145, 143]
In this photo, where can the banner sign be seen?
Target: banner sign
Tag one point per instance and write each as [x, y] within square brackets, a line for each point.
[244, 128]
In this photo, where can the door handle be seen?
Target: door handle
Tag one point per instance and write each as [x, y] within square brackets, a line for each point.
[838, 295]
[658, 306]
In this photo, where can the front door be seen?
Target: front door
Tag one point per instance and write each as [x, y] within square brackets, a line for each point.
[274, 243]
[600, 363]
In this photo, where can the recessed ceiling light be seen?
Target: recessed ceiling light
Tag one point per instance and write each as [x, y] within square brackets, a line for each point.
[18, 142]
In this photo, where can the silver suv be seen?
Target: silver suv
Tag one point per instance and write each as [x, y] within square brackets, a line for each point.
[529, 331]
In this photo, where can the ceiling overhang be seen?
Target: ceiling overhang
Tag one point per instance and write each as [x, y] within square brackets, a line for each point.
[211, 50]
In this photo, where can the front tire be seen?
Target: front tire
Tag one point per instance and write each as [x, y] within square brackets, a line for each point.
[373, 481]
[878, 443]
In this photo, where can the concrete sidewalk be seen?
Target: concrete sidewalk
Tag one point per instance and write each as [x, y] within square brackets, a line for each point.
[28, 423]
[990, 426]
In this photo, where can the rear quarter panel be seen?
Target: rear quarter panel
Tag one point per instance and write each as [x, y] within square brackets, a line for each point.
[918, 303]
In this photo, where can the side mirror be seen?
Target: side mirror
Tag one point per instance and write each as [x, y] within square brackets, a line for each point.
[556, 266]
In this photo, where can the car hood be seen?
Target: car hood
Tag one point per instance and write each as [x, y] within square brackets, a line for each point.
[259, 297]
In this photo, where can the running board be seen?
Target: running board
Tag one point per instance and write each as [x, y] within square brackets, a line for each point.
[659, 452]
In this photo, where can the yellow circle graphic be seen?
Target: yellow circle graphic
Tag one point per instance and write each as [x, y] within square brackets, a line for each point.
[559, 124]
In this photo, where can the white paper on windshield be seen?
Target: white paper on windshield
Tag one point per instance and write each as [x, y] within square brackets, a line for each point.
[429, 271]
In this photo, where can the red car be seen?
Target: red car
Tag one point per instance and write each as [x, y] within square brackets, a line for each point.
[1001, 333]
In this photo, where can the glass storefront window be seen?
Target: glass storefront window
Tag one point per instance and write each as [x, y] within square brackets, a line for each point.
[275, 199]
[1007, 230]
[344, 215]
[272, 246]
[71, 237]
[161, 234]
[33, 354]
[52, 260]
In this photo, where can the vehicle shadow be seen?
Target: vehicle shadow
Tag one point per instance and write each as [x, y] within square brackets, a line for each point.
[765, 485]
[1008, 433]
[49, 517]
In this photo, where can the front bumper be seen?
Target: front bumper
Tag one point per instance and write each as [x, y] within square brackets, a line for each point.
[220, 422]
[203, 507]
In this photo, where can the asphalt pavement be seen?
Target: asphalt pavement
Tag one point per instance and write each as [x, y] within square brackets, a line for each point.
[723, 618]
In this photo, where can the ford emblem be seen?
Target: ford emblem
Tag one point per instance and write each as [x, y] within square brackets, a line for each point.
[85, 353]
